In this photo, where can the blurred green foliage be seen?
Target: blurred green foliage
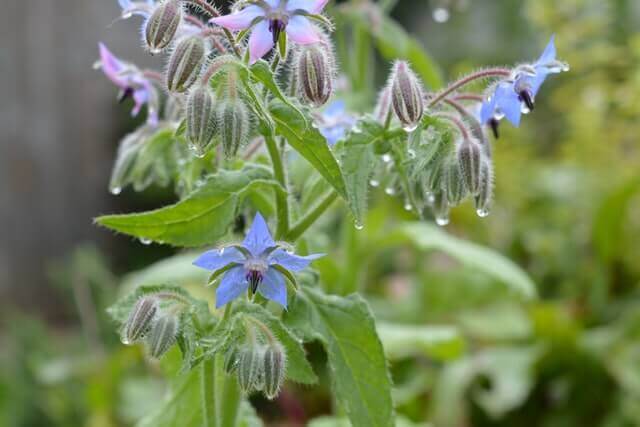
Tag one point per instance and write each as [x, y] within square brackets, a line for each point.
[478, 353]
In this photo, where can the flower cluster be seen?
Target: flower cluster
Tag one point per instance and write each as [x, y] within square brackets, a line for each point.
[449, 157]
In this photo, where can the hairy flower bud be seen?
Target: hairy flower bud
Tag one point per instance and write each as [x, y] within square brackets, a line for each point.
[484, 197]
[140, 320]
[201, 123]
[469, 155]
[162, 336]
[162, 25]
[454, 184]
[383, 106]
[233, 125]
[185, 64]
[275, 361]
[314, 73]
[250, 368]
[406, 96]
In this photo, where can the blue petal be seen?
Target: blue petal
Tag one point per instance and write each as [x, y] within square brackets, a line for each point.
[508, 103]
[218, 258]
[259, 238]
[291, 261]
[233, 283]
[333, 134]
[273, 287]
[549, 53]
[488, 109]
[335, 109]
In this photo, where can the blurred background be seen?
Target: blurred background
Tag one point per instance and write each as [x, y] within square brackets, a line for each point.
[566, 211]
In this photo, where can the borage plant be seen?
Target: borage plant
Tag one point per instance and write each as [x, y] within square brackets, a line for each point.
[245, 99]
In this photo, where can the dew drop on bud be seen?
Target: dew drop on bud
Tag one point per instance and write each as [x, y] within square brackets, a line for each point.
[97, 65]
[411, 153]
[126, 15]
[441, 15]
[115, 190]
[390, 191]
[374, 183]
[358, 225]
[386, 158]
[408, 207]
[482, 213]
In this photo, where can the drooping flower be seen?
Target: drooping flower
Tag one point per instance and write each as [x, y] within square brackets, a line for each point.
[515, 96]
[132, 83]
[269, 18]
[334, 122]
[257, 265]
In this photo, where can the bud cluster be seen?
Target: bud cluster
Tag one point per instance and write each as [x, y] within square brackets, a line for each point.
[259, 363]
[151, 322]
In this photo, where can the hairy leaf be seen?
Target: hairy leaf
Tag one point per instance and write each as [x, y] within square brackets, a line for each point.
[346, 328]
[308, 141]
[200, 219]
[358, 161]
[439, 342]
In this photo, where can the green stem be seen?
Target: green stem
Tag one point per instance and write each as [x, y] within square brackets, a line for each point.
[282, 202]
[207, 392]
[229, 394]
[311, 217]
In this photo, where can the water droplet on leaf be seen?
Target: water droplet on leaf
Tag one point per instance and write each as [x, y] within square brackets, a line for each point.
[482, 213]
[386, 158]
[441, 15]
[145, 241]
[442, 220]
[374, 183]
[390, 191]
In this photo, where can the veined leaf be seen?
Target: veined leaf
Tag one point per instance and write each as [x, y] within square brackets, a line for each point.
[346, 328]
[308, 141]
[357, 158]
[199, 219]
[428, 237]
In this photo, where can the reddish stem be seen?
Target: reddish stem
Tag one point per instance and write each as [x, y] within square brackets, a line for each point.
[482, 74]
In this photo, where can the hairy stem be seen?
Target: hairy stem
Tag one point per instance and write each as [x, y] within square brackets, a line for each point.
[213, 12]
[479, 75]
[208, 393]
[455, 120]
[227, 389]
[474, 123]
[282, 202]
[311, 217]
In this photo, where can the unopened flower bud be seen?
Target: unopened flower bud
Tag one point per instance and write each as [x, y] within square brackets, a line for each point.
[185, 64]
[484, 197]
[233, 125]
[140, 320]
[406, 96]
[162, 25]
[250, 365]
[454, 184]
[314, 73]
[275, 362]
[383, 106]
[201, 123]
[162, 336]
[469, 155]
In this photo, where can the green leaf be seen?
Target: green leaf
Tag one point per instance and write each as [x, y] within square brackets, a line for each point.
[609, 221]
[428, 237]
[200, 219]
[298, 368]
[346, 328]
[309, 142]
[261, 72]
[358, 162]
[438, 342]
[182, 406]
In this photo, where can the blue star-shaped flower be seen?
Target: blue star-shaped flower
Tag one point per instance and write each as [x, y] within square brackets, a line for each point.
[335, 121]
[510, 97]
[257, 265]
